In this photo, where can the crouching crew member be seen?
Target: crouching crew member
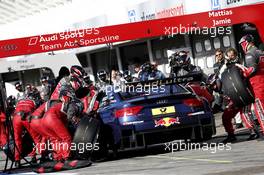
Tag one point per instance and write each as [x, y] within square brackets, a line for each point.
[55, 124]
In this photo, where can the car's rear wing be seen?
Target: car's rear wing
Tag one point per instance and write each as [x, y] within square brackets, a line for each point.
[194, 77]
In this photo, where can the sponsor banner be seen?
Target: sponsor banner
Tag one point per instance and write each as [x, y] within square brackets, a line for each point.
[236, 3]
[122, 32]
[155, 9]
[223, 4]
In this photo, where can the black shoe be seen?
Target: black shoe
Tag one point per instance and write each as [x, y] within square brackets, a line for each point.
[230, 139]
[34, 160]
[17, 164]
[253, 136]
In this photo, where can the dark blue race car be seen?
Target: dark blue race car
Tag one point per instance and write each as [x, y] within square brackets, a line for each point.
[143, 114]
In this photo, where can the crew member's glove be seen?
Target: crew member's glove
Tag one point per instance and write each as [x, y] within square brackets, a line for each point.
[229, 103]
[246, 71]
[75, 120]
[72, 110]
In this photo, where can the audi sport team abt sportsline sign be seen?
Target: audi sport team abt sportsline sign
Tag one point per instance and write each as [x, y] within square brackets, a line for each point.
[137, 30]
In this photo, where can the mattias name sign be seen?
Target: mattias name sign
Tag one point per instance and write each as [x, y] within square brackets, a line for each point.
[222, 17]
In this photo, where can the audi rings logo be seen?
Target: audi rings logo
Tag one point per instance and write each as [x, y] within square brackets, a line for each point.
[8, 47]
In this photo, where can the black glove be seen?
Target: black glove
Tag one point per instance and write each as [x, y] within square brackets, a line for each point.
[72, 110]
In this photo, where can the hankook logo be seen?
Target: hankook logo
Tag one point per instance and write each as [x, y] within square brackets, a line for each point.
[8, 47]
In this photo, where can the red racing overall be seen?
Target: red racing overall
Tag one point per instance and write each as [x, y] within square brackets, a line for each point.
[3, 130]
[23, 109]
[54, 123]
[36, 125]
[254, 61]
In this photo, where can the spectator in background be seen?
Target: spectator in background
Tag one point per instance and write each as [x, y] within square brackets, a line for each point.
[63, 72]
[45, 91]
[219, 60]
[115, 78]
[28, 89]
[136, 70]
[20, 93]
[218, 98]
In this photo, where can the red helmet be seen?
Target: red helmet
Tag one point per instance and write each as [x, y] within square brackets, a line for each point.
[245, 40]
[77, 71]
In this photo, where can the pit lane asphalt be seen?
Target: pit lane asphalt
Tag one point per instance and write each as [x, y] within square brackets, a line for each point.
[241, 158]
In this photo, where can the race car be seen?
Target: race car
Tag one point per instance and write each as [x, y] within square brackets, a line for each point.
[164, 111]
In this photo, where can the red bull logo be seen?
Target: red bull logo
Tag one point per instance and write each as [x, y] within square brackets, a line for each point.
[167, 121]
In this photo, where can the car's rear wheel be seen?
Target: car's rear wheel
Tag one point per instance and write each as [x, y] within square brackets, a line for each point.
[106, 143]
[85, 136]
[236, 87]
[203, 133]
[207, 132]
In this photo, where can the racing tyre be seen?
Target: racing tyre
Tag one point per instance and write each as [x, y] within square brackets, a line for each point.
[236, 87]
[207, 132]
[203, 133]
[85, 137]
[106, 143]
